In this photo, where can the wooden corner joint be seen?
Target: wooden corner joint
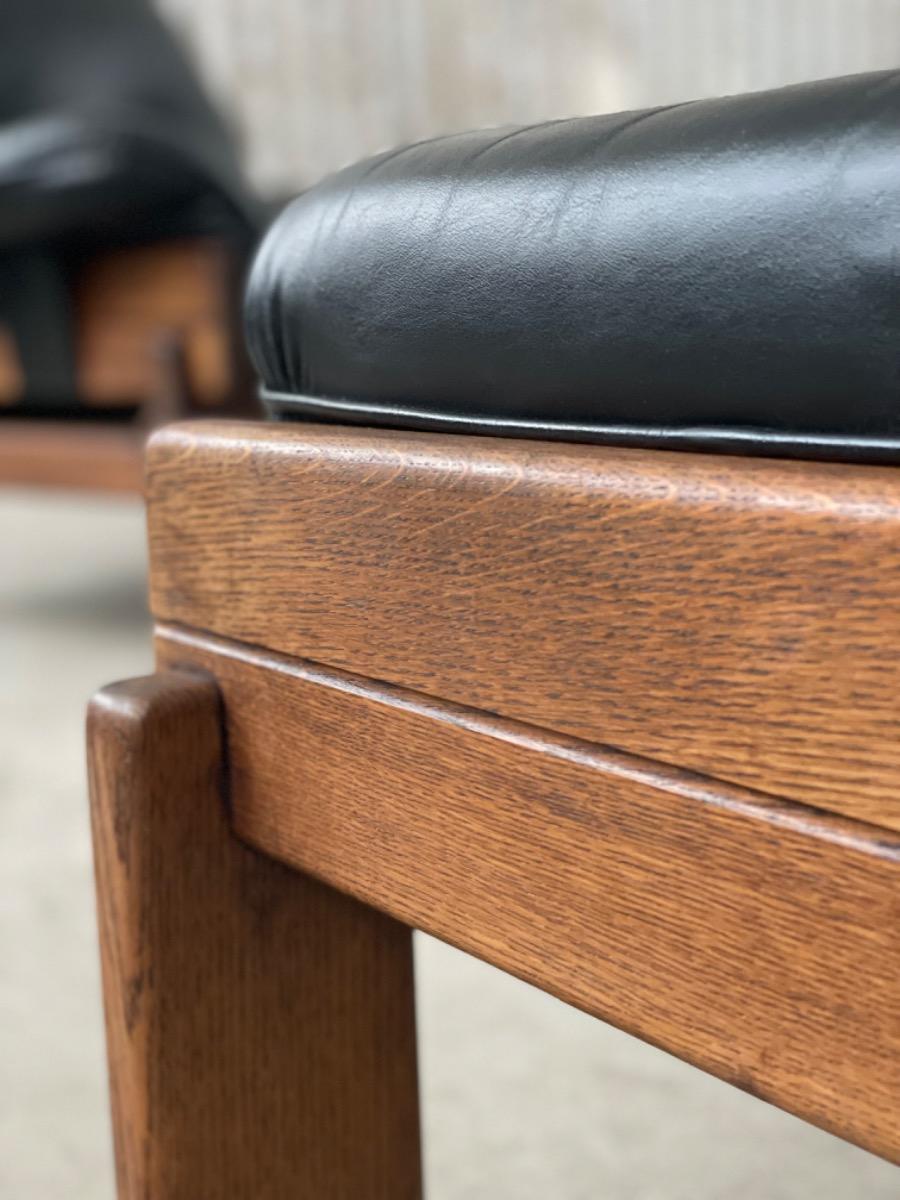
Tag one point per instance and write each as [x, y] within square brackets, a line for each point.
[243, 999]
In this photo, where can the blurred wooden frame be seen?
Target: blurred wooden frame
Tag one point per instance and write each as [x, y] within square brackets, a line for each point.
[623, 723]
[156, 330]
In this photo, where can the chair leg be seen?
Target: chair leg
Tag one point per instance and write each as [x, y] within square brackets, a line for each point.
[260, 1026]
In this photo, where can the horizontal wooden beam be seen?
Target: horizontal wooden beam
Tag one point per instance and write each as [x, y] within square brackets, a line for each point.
[71, 454]
[738, 617]
[754, 938]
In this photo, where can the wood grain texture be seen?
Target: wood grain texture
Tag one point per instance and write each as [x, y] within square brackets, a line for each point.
[68, 455]
[260, 1025]
[754, 938]
[738, 617]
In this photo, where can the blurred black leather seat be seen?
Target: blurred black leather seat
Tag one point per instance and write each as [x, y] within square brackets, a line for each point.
[722, 274]
[106, 140]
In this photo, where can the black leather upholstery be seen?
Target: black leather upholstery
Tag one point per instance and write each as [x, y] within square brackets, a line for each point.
[105, 138]
[721, 274]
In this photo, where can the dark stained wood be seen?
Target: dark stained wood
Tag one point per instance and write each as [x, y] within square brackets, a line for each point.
[260, 1025]
[67, 454]
[737, 617]
[754, 938]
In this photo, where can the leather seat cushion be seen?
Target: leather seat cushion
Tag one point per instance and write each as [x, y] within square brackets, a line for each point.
[719, 274]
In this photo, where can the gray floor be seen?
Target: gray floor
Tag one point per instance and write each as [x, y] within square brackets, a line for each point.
[523, 1098]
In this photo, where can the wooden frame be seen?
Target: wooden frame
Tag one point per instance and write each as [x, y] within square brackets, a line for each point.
[155, 331]
[622, 723]
[259, 1025]
[69, 454]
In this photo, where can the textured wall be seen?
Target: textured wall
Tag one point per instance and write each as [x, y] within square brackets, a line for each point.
[317, 83]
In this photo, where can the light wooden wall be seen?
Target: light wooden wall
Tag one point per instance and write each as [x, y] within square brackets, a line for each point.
[317, 83]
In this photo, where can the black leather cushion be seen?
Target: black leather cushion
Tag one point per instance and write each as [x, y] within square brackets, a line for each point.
[719, 274]
[105, 138]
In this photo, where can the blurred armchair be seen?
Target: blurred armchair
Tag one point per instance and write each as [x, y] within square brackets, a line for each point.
[125, 226]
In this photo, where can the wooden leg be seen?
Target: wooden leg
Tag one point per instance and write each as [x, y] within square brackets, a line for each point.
[260, 1025]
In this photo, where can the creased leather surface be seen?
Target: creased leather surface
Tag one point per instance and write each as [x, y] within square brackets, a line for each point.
[725, 268]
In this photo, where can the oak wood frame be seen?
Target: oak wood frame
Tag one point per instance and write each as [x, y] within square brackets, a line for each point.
[259, 1025]
[689, 829]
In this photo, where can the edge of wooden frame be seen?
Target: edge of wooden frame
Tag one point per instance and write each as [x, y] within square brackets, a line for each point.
[737, 617]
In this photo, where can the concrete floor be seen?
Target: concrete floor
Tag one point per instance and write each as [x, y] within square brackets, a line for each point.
[523, 1098]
